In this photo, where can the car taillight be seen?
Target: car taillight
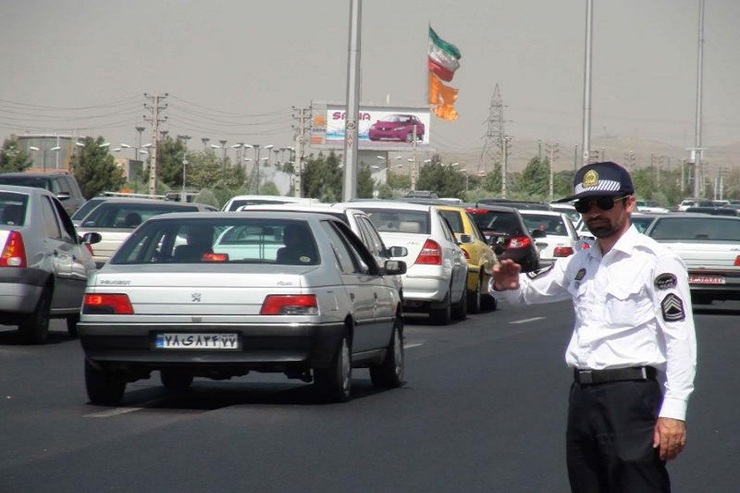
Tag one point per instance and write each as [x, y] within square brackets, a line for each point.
[473, 210]
[290, 304]
[518, 242]
[431, 254]
[563, 251]
[14, 252]
[89, 248]
[109, 304]
[737, 261]
[466, 254]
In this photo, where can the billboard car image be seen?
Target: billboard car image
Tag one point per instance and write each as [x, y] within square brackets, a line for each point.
[397, 126]
[378, 128]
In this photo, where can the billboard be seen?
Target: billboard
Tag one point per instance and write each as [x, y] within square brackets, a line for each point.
[381, 128]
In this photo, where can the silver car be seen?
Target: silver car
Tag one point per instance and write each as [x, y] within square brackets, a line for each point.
[44, 264]
[219, 295]
[437, 272]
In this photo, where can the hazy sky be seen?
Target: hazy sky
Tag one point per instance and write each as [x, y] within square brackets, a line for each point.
[234, 68]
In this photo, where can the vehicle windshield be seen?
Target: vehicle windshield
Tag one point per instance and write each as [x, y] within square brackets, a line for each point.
[234, 240]
[128, 214]
[27, 181]
[552, 225]
[399, 220]
[13, 208]
[695, 229]
[498, 221]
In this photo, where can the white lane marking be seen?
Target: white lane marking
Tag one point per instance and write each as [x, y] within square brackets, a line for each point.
[527, 320]
[117, 411]
[409, 346]
[113, 412]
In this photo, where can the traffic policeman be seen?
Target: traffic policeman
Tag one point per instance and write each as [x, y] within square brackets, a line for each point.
[633, 347]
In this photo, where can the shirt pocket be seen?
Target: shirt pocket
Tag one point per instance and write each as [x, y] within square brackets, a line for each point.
[628, 305]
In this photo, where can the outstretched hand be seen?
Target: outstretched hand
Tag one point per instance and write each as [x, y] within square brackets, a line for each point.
[506, 275]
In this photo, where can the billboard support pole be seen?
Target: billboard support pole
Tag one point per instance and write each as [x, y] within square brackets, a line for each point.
[414, 168]
[349, 191]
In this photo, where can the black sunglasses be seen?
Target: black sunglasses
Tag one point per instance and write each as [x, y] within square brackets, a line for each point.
[582, 206]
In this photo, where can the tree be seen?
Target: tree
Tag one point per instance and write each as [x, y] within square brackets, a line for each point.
[322, 178]
[399, 181]
[95, 169]
[365, 183]
[442, 179]
[535, 179]
[13, 158]
[492, 181]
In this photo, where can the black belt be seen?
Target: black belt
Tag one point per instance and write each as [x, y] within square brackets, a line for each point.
[586, 377]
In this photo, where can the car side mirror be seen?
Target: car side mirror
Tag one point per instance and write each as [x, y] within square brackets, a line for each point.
[398, 251]
[394, 267]
[92, 238]
[466, 239]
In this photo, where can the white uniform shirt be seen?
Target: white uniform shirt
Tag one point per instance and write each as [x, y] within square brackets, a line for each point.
[632, 308]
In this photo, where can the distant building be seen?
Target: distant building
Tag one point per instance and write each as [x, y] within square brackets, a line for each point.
[48, 152]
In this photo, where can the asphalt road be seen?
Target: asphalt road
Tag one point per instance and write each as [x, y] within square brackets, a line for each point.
[483, 410]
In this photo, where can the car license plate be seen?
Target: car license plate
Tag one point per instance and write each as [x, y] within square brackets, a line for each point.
[218, 341]
[705, 279]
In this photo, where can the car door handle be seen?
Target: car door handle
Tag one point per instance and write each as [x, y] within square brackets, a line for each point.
[352, 296]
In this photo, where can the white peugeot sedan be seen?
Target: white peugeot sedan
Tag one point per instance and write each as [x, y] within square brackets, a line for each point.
[357, 220]
[561, 237]
[219, 295]
[436, 276]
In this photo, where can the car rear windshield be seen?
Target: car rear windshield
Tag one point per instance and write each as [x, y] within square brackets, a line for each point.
[695, 229]
[234, 240]
[27, 181]
[497, 221]
[399, 220]
[129, 215]
[552, 225]
[13, 208]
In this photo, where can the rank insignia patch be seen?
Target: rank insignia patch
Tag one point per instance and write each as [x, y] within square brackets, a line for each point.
[665, 281]
[580, 274]
[672, 308]
[541, 272]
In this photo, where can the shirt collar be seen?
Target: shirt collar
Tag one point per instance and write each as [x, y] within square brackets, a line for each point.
[624, 244]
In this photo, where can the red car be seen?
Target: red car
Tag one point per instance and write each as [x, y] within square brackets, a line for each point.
[397, 126]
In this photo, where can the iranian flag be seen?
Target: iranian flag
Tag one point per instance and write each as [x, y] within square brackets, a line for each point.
[443, 57]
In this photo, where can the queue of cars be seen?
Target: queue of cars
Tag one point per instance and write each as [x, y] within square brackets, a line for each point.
[187, 291]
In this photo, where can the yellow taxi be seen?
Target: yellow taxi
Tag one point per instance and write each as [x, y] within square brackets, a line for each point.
[478, 254]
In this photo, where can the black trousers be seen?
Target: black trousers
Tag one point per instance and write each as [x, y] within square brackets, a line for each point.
[610, 438]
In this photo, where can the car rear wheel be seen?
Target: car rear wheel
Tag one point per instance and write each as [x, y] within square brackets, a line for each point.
[175, 380]
[389, 374]
[335, 382]
[72, 325]
[460, 310]
[103, 386]
[442, 316]
[475, 298]
[34, 328]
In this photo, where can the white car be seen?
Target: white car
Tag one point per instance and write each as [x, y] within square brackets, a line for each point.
[436, 275]
[650, 206]
[561, 237]
[240, 200]
[710, 246]
[356, 219]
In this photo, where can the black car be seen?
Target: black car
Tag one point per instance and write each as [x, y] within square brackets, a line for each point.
[506, 232]
[63, 185]
[517, 204]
